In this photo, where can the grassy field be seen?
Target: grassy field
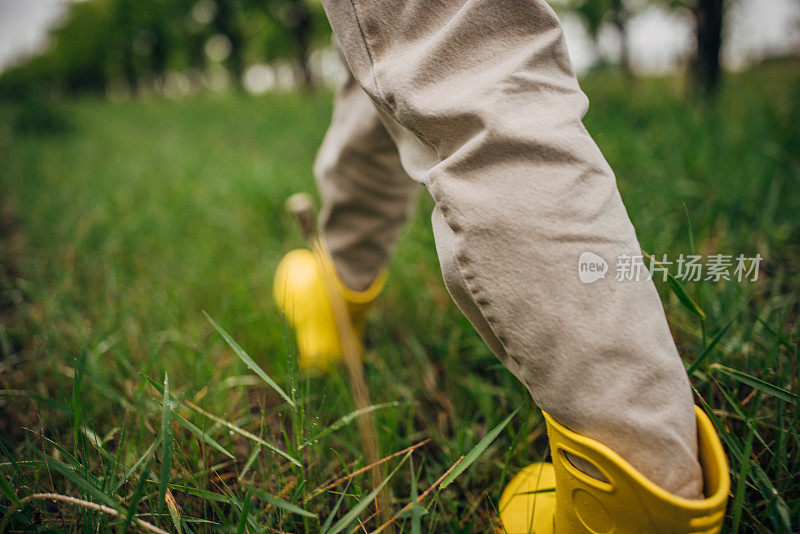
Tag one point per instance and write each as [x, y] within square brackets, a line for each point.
[123, 221]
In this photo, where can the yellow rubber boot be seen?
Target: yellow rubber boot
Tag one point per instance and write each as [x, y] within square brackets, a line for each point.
[301, 292]
[558, 498]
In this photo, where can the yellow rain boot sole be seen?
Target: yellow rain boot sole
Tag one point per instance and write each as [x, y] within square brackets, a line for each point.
[628, 503]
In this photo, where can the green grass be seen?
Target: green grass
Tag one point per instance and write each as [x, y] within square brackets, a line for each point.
[124, 221]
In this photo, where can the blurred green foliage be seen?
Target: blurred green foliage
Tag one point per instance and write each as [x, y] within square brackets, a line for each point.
[707, 17]
[139, 41]
[134, 44]
[39, 117]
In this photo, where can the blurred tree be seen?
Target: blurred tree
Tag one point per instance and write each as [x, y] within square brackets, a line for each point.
[123, 22]
[708, 16]
[76, 59]
[290, 29]
[227, 22]
[296, 17]
[144, 36]
[596, 13]
[619, 18]
[140, 41]
[195, 30]
[159, 30]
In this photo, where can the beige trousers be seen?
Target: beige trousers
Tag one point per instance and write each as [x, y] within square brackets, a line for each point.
[477, 101]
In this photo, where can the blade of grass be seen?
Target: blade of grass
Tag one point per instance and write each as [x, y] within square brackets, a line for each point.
[89, 486]
[434, 503]
[102, 385]
[249, 463]
[243, 432]
[61, 407]
[771, 494]
[248, 361]
[139, 462]
[203, 494]
[174, 512]
[201, 434]
[229, 425]
[120, 447]
[416, 510]
[689, 230]
[782, 338]
[137, 496]
[158, 387]
[739, 409]
[76, 405]
[741, 483]
[332, 515]
[166, 445]
[476, 452]
[684, 297]
[345, 420]
[11, 458]
[240, 506]
[240, 528]
[760, 479]
[681, 293]
[366, 501]
[757, 383]
[8, 491]
[700, 359]
[284, 505]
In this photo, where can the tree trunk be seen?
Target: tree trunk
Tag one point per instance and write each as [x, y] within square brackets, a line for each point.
[129, 68]
[227, 24]
[160, 53]
[300, 25]
[302, 34]
[620, 21]
[706, 69]
[124, 16]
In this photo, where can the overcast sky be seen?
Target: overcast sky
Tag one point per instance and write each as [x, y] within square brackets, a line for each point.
[658, 40]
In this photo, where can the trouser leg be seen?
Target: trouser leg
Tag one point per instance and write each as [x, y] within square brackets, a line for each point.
[484, 107]
[366, 194]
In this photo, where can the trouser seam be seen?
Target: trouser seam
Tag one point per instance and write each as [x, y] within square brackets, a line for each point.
[385, 102]
[360, 25]
[481, 302]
